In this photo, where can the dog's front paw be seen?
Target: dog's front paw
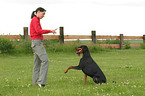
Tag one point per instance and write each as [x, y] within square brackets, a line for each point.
[65, 71]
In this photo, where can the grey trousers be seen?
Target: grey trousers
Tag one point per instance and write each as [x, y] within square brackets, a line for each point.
[41, 62]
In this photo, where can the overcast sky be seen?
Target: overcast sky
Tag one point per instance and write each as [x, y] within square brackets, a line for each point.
[78, 17]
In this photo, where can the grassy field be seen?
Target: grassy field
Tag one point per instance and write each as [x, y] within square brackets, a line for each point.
[125, 67]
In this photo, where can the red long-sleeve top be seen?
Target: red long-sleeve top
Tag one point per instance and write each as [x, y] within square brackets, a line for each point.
[36, 31]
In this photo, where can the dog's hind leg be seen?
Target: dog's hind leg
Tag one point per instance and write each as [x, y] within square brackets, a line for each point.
[85, 78]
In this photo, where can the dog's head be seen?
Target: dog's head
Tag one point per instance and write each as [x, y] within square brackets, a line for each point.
[82, 49]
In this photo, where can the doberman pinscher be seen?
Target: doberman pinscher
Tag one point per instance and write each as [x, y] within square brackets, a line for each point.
[88, 66]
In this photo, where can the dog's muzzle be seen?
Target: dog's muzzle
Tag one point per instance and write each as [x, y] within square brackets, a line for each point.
[79, 50]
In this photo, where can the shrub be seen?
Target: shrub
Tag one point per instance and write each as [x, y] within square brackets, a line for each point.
[23, 46]
[94, 48]
[126, 45]
[117, 41]
[142, 46]
[6, 46]
[50, 42]
[57, 47]
[27, 47]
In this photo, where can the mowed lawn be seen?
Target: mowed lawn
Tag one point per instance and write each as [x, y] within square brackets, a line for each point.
[124, 70]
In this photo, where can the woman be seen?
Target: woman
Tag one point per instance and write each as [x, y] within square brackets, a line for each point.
[41, 61]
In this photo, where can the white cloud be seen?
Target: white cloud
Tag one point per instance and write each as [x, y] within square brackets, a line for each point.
[107, 17]
[97, 2]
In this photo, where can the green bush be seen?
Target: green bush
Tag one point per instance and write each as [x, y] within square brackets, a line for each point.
[57, 47]
[94, 48]
[126, 45]
[142, 46]
[6, 46]
[27, 47]
[70, 47]
[117, 41]
[50, 42]
[23, 46]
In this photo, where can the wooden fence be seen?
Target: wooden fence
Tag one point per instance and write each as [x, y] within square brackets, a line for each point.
[93, 37]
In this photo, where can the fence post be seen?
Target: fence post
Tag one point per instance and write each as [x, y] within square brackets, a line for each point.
[121, 41]
[94, 37]
[26, 33]
[61, 37]
[143, 38]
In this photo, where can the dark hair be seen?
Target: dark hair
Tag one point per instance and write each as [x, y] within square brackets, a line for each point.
[38, 9]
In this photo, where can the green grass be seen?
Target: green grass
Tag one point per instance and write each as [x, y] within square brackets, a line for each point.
[126, 67]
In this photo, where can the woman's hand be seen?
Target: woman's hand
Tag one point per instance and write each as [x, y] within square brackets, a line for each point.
[54, 31]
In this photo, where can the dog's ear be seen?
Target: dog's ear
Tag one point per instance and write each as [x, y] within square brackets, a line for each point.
[85, 48]
[95, 80]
